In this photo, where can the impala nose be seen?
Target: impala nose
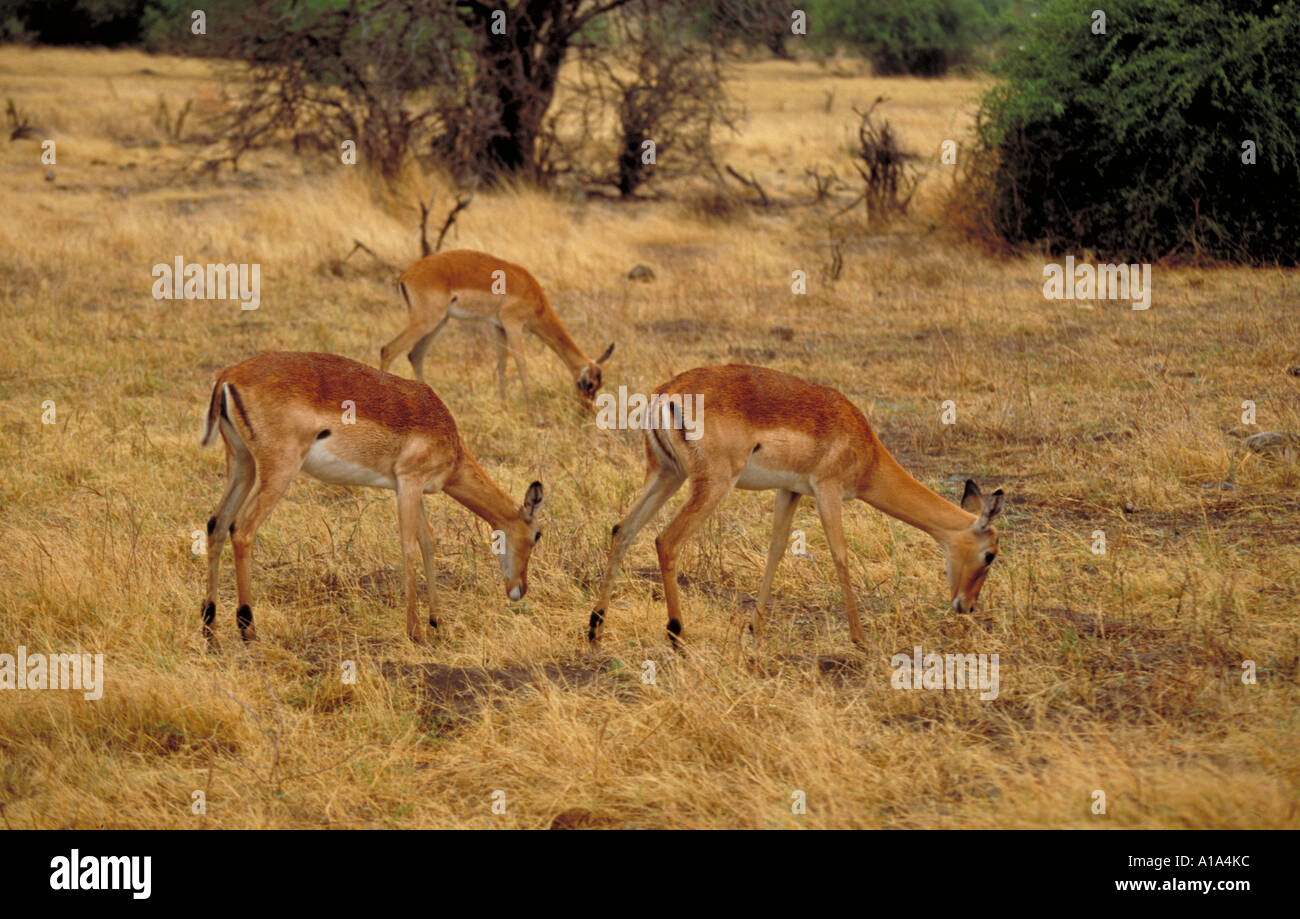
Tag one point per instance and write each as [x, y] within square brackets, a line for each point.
[516, 594]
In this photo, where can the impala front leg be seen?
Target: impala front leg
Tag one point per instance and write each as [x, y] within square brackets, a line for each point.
[786, 503]
[501, 364]
[829, 503]
[426, 549]
[515, 342]
[410, 510]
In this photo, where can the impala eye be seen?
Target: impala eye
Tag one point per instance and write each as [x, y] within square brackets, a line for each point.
[989, 556]
[537, 538]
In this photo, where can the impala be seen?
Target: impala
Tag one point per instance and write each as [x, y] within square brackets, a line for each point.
[761, 430]
[465, 284]
[348, 424]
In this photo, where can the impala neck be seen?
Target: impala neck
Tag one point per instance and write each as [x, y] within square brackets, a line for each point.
[470, 486]
[892, 489]
[550, 330]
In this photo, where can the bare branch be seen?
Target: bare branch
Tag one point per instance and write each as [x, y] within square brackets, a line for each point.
[751, 182]
[461, 204]
[358, 244]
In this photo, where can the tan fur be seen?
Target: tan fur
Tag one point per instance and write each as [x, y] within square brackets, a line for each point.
[283, 412]
[763, 429]
[459, 284]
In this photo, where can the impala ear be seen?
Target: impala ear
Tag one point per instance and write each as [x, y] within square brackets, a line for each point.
[604, 357]
[992, 507]
[532, 501]
[971, 500]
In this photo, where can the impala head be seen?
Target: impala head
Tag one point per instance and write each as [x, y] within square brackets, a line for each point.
[521, 536]
[972, 551]
[588, 379]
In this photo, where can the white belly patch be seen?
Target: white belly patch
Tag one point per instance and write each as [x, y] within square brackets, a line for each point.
[758, 478]
[489, 314]
[324, 465]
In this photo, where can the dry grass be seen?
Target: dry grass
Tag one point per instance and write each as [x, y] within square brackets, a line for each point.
[1118, 672]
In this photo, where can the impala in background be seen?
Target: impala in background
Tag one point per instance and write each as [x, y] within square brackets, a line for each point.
[465, 284]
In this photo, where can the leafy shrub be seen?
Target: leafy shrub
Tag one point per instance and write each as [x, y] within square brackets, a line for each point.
[919, 37]
[1130, 143]
[75, 22]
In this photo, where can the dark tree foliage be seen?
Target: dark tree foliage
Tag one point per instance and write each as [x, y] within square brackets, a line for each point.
[918, 37]
[77, 22]
[337, 73]
[515, 73]
[472, 80]
[751, 23]
[1131, 143]
[473, 84]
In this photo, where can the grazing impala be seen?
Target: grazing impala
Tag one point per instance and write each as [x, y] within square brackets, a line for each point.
[465, 284]
[348, 424]
[762, 429]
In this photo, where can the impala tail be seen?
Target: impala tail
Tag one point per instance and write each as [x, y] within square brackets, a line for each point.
[223, 396]
[215, 407]
[660, 433]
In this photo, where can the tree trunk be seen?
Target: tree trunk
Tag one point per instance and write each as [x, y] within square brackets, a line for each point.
[517, 73]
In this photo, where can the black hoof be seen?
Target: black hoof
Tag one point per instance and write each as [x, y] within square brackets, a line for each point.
[674, 633]
[244, 617]
[593, 624]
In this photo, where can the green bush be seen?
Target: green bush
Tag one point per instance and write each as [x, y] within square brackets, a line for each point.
[1130, 143]
[111, 23]
[157, 25]
[919, 37]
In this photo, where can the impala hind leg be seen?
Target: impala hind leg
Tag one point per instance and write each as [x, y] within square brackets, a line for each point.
[421, 349]
[427, 313]
[269, 484]
[706, 494]
[661, 485]
[403, 342]
[239, 479]
[786, 503]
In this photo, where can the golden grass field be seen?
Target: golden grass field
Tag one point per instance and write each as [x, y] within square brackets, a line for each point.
[1119, 672]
